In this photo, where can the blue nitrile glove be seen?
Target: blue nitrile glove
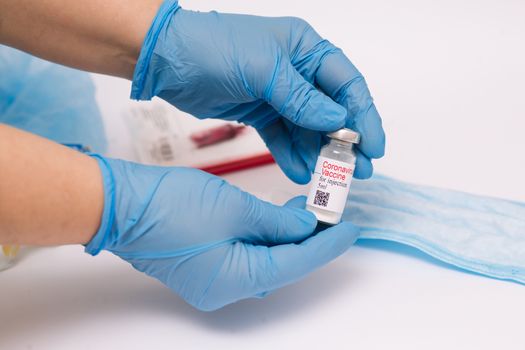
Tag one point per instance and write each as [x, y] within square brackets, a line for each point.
[276, 74]
[207, 240]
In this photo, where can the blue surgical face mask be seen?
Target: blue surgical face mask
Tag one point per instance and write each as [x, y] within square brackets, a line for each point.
[479, 234]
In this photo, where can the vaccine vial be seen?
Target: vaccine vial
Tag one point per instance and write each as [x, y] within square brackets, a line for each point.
[332, 176]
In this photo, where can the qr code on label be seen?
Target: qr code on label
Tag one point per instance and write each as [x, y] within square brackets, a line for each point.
[321, 198]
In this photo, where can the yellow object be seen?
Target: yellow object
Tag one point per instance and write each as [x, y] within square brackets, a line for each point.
[10, 250]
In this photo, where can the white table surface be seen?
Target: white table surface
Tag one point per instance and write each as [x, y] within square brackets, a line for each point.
[448, 78]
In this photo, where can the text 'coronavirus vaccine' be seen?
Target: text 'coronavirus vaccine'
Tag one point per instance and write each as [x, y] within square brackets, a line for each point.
[332, 176]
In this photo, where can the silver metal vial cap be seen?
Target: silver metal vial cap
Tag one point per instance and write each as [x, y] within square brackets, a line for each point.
[346, 135]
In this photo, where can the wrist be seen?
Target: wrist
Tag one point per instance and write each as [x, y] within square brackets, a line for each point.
[139, 90]
[98, 240]
[134, 34]
[128, 189]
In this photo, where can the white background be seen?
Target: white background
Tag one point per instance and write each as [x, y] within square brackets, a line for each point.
[448, 78]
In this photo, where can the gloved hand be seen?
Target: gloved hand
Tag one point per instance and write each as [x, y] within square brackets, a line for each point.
[208, 241]
[275, 74]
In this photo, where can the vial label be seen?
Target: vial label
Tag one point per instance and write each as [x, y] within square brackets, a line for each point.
[330, 184]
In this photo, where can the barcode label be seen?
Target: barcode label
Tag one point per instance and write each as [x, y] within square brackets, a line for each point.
[165, 150]
[321, 198]
[330, 182]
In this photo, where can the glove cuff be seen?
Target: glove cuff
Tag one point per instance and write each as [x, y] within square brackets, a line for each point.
[98, 241]
[166, 10]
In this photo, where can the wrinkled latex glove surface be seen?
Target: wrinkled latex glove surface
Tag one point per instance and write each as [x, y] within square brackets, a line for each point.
[276, 74]
[207, 240]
